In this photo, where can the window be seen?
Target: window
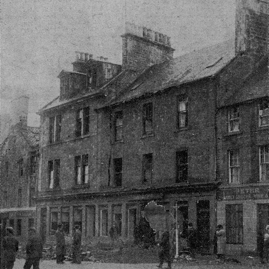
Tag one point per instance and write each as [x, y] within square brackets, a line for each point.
[90, 220]
[104, 222]
[234, 224]
[82, 169]
[264, 113]
[12, 223]
[78, 216]
[55, 124]
[234, 167]
[147, 167]
[53, 220]
[264, 163]
[108, 71]
[117, 218]
[20, 164]
[118, 126]
[54, 174]
[92, 74]
[65, 215]
[182, 166]
[31, 196]
[147, 119]
[33, 165]
[83, 121]
[19, 221]
[233, 119]
[182, 112]
[19, 197]
[118, 172]
[31, 223]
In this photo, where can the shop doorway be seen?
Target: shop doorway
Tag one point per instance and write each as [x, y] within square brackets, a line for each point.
[203, 225]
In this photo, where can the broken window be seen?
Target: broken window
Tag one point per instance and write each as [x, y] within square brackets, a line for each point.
[55, 124]
[182, 166]
[20, 164]
[118, 126]
[233, 119]
[147, 119]
[83, 121]
[264, 113]
[54, 174]
[147, 167]
[118, 172]
[264, 163]
[19, 197]
[82, 169]
[182, 112]
[234, 224]
[234, 166]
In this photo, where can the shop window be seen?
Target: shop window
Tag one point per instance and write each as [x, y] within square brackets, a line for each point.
[182, 166]
[264, 163]
[182, 112]
[53, 220]
[19, 197]
[234, 224]
[234, 166]
[54, 174]
[118, 172]
[19, 227]
[147, 119]
[65, 219]
[147, 167]
[118, 126]
[264, 113]
[78, 216]
[83, 121]
[82, 169]
[90, 221]
[103, 222]
[55, 126]
[233, 119]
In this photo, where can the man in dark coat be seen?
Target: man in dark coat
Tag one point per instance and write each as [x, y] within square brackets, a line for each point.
[164, 254]
[60, 244]
[76, 245]
[34, 249]
[10, 248]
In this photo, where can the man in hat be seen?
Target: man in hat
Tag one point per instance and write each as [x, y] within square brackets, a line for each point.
[10, 248]
[76, 245]
[34, 249]
[60, 244]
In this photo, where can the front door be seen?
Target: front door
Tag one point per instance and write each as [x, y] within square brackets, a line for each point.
[203, 225]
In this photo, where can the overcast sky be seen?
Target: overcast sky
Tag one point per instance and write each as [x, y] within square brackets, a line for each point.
[39, 37]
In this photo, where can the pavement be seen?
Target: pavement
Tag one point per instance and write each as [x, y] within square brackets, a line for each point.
[48, 264]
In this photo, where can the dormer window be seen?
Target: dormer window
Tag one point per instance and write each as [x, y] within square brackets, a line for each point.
[264, 113]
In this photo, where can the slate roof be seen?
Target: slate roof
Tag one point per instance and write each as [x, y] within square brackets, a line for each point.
[254, 87]
[190, 67]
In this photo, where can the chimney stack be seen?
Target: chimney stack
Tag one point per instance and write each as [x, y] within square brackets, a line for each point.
[143, 47]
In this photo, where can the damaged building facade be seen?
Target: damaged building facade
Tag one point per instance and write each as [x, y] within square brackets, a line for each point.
[155, 128]
[19, 162]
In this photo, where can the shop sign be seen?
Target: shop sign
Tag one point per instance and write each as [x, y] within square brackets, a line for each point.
[244, 193]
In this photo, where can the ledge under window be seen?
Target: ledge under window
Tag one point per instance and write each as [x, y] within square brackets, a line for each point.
[233, 133]
[147, 135]
[178, 130]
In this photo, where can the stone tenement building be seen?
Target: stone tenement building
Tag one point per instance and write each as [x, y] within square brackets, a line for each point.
[19, 160]
[153, 129]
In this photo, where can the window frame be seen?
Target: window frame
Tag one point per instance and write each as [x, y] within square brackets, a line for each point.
[147, 118]
[102, 210]
[53, 224]
[55, 127]
[235, 167]
[66, 225]
[261, 112]
[82, 121]
[232, 118]
[234, 221]
[263, 163]
[145, 161]
[54, 167]
[81, 167]
[118, 127]
[182, 99]
[182, 166]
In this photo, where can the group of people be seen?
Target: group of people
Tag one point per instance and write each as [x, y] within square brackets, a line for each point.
[61, 247]
[10, 245]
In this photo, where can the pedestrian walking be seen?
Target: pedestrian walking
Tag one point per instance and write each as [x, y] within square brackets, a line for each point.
[10, 248]
[34, 249]
[60, 244]
[165, 252]
[76, 245]
[221, 242]
[266, 244]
